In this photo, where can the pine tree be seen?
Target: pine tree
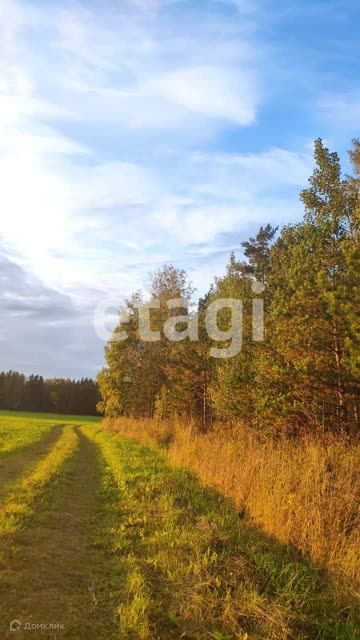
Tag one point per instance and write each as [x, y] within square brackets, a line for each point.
[303, 375]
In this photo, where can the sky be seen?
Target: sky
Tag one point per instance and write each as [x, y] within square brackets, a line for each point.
[135, 133]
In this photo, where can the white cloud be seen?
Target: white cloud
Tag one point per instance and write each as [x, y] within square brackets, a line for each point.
[342, 110]
[241, 5]
[120, 68]
[39, 140]
[102, 113]
[135, 70]
[211, 91]
[107, 216]
[255, 171]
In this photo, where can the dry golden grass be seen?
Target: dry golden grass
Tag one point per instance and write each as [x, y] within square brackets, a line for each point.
[306, 493]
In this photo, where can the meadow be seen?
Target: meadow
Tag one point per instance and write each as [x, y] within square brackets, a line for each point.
[104, 537]
[305, 491]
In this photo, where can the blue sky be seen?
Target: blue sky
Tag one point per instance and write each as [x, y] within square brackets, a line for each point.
[138, 132]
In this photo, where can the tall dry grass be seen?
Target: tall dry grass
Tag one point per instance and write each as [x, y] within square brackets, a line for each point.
[306, 493]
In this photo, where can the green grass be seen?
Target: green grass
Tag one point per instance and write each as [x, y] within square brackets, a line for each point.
[22, 429]
[101, 534]
[53, 417]
[28, 490]
[19, 430]
[17, 433]
[194, 569]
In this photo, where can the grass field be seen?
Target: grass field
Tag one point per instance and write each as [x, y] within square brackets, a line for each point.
[101, 538]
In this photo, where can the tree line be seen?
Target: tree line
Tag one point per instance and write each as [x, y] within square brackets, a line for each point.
[305, 374]
[54, 395]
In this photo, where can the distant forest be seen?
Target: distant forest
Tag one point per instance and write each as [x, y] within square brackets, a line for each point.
[55, 395]
[305, 375]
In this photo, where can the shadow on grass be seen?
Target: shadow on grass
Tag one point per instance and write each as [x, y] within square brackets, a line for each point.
[310, 601]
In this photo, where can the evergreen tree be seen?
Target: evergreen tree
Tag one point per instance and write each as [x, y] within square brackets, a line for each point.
[303, 375]
[306, 372]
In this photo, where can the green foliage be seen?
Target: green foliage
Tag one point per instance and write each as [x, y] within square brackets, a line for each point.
[136, 379]
[257, 251]
[306, 373]
[232, 381]
[33, 393]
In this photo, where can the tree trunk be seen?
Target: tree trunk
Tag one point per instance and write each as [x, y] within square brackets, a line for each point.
[338, 357]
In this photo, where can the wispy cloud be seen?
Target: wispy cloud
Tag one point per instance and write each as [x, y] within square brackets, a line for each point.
[341, 110]
[134, 133]
[126, 69]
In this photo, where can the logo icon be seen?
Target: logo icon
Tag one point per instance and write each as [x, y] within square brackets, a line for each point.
[15, 625]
